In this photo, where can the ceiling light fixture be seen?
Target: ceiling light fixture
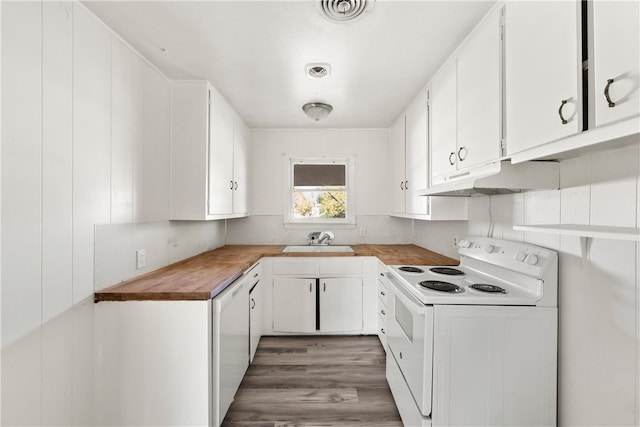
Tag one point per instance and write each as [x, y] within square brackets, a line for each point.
[317, 110]
[344, 10]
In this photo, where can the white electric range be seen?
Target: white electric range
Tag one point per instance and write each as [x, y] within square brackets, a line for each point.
[476, 344]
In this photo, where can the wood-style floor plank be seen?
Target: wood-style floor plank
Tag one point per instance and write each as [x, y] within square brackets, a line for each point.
[312, 381]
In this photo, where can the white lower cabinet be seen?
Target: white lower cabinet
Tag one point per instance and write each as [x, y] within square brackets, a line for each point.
[294, 305]
[255, 318]
[171, 363]
[340, 302]
[328, 295]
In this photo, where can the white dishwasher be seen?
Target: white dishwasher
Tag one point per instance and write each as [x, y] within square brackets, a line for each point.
[230, 344]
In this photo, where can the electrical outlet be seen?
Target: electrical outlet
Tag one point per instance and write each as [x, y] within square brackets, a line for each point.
[141, 258]
[363, 231]
[455, 241]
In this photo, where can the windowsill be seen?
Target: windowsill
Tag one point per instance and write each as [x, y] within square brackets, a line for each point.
[320, 224]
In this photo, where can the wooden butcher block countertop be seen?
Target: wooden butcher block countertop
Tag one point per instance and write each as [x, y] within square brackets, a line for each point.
[204, 276]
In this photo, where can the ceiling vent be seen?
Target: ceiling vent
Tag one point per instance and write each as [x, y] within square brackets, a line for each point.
[318, 71]
[344, 10]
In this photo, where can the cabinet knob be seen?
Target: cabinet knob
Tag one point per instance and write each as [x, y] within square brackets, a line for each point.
[562, 104]
[452, 158]
[382, 312]
[382, 330]
[255, 275]
[606, 93]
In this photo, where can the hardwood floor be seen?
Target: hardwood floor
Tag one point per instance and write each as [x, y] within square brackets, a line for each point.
[315, 381]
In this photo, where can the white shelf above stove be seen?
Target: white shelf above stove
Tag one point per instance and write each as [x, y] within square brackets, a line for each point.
[584, 230]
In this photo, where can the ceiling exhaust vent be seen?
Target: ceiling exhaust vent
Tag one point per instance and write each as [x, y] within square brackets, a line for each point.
[344, 10]
[318, 70]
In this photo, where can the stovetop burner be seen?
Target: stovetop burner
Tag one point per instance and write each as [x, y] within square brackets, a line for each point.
[483, 287]
[449, 271]
[437, 285]
[407, 269]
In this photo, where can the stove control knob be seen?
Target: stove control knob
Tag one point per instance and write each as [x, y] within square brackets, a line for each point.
[464, 244]
[520, 256]
[489, 248]
[531, 259]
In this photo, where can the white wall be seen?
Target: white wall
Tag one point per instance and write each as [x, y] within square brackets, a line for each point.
[599, 294]
[269, 150]
[85, 174]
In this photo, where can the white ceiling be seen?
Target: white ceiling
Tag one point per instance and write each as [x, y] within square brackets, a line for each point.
[254, 53]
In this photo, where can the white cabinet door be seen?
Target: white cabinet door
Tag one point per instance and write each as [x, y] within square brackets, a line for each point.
[479, 95]
[542, 72]
[240, 170]
[416, 154]
[255, 319]
[397, 165]
[444, 121]
[294, 305]
[340, 304]
[220, 182]
[616, 46]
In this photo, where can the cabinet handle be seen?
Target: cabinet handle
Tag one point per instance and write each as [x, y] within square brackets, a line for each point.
[383, 313]
[231, 185]
[452, 158]
[606, 93]
[310, 287]
[235, 185]
[253, 303]
[382, 293]
[324, 287]
[562, 104]
[255, 275]
[382, 274]
[382, 330]
[406, 185]
[461, 151]
[400, 355]
[402, 185]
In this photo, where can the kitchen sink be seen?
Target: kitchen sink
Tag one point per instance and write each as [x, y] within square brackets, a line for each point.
[318, 249]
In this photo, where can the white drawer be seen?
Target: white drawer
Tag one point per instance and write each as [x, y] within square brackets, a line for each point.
[340, 267]
[383, 313]
[383, 293]
[382, 332]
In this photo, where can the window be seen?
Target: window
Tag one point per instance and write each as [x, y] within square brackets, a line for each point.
[319, 191]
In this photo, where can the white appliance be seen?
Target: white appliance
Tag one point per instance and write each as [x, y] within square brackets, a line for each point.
[476, 344]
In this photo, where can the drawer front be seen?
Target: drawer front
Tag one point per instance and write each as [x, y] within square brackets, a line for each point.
[383, 292]
[340, 267]
[295, 267]
[382, 332]
[255, 273]
[383, 313]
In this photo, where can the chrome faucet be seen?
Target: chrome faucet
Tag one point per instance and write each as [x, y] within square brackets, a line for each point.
[320, 238]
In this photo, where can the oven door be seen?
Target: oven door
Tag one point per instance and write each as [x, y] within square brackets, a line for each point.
[410, 339]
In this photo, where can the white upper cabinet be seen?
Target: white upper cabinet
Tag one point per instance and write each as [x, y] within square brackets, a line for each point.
[240, 166]
[397, 166]
[416, 154]
[204, 131]
[543, 80]
[479, 73]
[466, 107]
[615, 60]
[444, 122]
[221, 182]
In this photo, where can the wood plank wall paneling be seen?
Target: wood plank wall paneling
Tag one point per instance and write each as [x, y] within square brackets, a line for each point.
[311, 381]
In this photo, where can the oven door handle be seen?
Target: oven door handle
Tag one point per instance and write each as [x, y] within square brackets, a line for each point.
[410, 302]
